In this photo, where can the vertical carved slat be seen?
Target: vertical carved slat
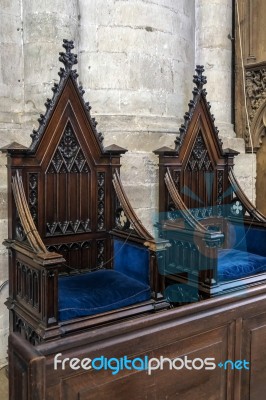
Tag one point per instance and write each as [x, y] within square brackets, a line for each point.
[70, 170]
[35, 296]
[29, 285]
[101, 201]
[19, 279]
[100, 253]
[220, 190]
[33, 196]
[23, 283]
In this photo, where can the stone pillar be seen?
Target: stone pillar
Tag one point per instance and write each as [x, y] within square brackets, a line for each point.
[214, 51]
[31, 37]
[136, 64]
[11, 106]
[45, 25]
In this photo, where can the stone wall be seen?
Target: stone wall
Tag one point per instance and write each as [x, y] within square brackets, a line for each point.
[136, 62]
[31, 34]
[214, 51]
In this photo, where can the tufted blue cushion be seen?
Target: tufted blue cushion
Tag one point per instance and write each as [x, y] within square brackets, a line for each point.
[98, 292]
[236, 264]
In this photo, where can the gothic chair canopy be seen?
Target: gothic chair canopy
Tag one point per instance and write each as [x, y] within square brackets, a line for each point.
[217, 235]
[77, 250]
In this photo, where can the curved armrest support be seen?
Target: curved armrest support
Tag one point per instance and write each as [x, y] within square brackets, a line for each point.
[180, 205]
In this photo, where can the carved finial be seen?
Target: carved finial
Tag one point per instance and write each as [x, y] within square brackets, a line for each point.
[199, 79]
[68, 58]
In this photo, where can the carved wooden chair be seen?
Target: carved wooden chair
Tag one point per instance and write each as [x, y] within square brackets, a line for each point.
[217, 235]
[78, 254]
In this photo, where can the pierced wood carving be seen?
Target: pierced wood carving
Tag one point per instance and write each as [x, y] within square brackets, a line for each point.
[68, 158]
[76, 254]
[199, 159]
[33, 196]
[256, 103]
[100, 254]
[256, 89]
[101, 201]
[220, 185]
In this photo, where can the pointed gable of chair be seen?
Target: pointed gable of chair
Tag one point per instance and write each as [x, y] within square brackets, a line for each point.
[67, 172]
[68, 76]
[198, 164]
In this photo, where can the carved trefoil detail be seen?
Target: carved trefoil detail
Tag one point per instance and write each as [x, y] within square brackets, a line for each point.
[68, 157]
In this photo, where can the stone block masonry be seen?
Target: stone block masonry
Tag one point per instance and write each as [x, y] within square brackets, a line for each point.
[136, 62]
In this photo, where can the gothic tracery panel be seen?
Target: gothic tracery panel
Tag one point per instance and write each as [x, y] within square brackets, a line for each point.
[68, 172]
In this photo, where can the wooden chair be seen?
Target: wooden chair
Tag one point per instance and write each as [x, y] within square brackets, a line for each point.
[70, 219]
[217, 235]
[78, 254]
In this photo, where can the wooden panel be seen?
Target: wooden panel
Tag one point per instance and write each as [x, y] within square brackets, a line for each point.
[254, 351]
[160, 384]
[26, 378]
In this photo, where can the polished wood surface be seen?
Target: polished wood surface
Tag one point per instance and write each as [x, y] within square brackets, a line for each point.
[77, 233]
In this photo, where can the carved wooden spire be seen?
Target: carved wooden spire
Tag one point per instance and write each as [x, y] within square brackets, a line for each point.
[68, 59]
[200, 80]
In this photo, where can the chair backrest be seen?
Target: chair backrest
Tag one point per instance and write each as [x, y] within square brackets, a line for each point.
[202, 207]
[196, 178]
[67, 176]
[198, 165]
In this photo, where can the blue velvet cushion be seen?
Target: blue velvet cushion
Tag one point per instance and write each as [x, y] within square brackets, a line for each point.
[236, 264]
[98, 292]
[132, 260]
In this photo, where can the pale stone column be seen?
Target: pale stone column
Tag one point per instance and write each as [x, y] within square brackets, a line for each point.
[45, 25]
[136, 64]
[31, 37]
[214, 51]
[11, 106]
